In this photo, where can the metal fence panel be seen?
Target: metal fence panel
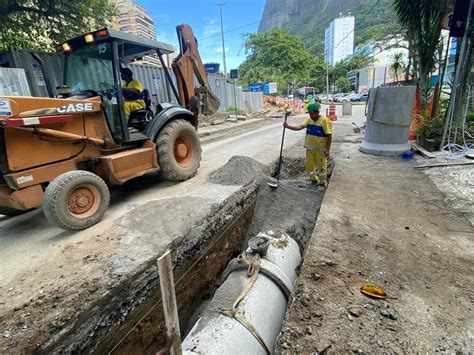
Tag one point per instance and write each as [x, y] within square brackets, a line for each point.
[152, 78]
[13, 82]
[22, 58]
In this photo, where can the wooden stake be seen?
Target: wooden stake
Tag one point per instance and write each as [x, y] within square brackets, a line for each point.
[423, 151]
[443, 165]
[165, 269]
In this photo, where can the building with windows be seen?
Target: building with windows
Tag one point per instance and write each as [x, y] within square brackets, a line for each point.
[134, 19]
[339, 39]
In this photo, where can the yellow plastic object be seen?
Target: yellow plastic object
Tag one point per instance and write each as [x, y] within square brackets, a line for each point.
[373, 291]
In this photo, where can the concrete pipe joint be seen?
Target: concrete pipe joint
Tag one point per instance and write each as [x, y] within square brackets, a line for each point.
[246, 312]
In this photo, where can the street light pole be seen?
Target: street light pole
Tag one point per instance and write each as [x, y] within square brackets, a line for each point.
[222, 37]
[327, 73]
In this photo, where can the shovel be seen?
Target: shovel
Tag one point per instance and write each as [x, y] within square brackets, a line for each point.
[273, 184]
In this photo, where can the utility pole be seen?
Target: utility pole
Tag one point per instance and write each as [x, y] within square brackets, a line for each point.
[226, 105]
[327, 73]
[222, 37]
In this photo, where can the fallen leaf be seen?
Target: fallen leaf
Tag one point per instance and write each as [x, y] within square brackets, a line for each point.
[373, 291]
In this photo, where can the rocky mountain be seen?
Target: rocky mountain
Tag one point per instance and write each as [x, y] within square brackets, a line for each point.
[309, 18]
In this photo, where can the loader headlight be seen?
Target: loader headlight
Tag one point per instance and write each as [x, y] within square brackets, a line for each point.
[89, 38]
[66, 47]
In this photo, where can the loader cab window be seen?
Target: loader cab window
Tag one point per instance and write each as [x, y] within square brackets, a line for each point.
[89, 72]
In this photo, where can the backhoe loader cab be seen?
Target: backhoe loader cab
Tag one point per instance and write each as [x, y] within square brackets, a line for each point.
[63, 152]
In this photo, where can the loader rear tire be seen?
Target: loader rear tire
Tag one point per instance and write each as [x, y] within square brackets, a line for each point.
[76, 200]
[11, 212]
[179, 150]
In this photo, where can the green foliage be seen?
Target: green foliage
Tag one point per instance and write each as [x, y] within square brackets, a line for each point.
[398, 64]
[42, 24]
[343, 84]
[433, 127]
[276, 56]
[314, 17]
[422, 21]
[235, 110]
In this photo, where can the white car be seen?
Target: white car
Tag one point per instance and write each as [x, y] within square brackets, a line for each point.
[348, 98]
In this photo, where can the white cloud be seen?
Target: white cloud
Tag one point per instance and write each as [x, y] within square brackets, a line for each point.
[219, 49]
[212, 28]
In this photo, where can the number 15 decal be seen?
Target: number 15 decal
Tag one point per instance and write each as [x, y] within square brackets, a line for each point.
[102, 48]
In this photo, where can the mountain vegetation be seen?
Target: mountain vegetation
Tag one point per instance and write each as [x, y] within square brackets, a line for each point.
[375, 19]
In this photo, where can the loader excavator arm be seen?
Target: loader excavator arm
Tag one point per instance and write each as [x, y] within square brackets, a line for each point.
[187, 65]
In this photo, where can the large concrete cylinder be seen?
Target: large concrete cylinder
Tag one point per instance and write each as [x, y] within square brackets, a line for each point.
[263, 307]
[389, 116]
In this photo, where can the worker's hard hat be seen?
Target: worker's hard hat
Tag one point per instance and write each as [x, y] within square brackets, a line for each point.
[314, 106]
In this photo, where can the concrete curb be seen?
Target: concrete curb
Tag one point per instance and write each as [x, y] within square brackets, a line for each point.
[227, 126]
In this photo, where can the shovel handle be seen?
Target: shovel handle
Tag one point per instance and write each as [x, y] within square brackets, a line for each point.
[287, 114]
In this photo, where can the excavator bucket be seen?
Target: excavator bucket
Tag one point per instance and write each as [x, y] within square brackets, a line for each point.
[209, 102]
[188, 65]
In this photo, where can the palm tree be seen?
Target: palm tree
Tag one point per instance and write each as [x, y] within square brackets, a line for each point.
[423, 19]
[398, 64]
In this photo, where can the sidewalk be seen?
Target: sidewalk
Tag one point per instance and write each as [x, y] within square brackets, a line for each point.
[385, 223]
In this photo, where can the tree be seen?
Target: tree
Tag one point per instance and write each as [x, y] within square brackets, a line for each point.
[343, 84]
[398, 64]
[276, 56]
[422, 19]
[42, 24]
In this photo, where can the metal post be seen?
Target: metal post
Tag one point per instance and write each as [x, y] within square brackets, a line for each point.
[327, 72]
[222, 37]
[235, 101]
[454, 90]
[373, 78]
[226, 105]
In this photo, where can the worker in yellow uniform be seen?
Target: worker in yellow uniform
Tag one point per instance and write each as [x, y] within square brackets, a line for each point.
[317, 143]
[132, 92]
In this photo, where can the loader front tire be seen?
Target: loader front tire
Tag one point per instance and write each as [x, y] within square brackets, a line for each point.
[179, 150]
[76, 200]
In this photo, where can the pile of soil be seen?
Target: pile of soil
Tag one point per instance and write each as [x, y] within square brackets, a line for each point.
[239, 170]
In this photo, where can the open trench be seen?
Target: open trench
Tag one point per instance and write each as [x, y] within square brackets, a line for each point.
[201, 256]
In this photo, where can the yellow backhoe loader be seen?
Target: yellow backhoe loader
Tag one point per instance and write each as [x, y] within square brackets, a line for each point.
[63, 152]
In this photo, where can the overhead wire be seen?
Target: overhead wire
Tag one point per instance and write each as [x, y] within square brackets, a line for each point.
[231, 30]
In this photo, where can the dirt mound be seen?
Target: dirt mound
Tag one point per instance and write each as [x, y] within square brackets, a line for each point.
[239, 170]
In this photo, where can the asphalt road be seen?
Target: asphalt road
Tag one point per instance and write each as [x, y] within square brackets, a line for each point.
[30, 245]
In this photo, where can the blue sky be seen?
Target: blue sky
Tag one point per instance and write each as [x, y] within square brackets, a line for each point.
[203, 16]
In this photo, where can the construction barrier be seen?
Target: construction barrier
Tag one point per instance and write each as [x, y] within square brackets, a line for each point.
[331, 112]
[417, 119]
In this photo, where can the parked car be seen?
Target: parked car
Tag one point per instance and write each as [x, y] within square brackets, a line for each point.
[348, 97]
[338, 97]
[360, 97]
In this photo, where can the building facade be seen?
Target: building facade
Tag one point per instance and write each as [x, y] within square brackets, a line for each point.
[339, 39]
[134, 19]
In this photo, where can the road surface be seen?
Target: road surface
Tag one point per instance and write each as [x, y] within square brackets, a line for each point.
[40, 261]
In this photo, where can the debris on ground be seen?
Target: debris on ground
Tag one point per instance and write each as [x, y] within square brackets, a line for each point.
[373, 291]
[384, 223]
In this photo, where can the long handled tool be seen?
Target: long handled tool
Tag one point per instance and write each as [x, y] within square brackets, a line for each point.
[273, 184]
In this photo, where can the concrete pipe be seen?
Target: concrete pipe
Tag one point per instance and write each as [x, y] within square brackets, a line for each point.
[389, 116]
[246, 312]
